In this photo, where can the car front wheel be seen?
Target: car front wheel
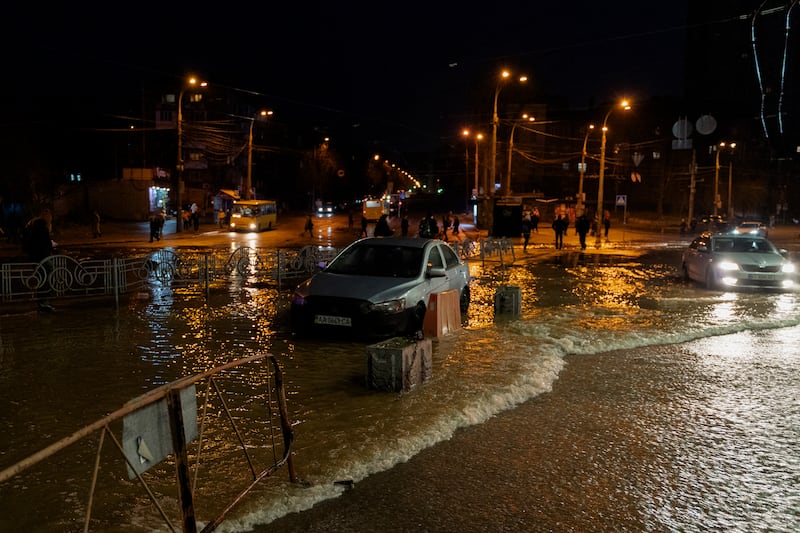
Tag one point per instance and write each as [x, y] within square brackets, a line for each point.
[464, 299]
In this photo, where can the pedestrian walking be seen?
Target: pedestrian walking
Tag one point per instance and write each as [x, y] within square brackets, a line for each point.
[155, 227]
[526, 231]
[309, 227]
[560, 227]
[582, 226]
[606, 222]
[456, 224]
[38, 244]
[535, 217]
[382, 228]
[363, 226]
[195, 216]
[428, 228]
[96, 225]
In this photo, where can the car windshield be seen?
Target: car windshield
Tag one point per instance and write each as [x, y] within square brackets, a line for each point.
[382, 261]
[743, 245]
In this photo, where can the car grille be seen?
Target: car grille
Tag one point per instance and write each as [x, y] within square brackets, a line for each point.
[756, 268]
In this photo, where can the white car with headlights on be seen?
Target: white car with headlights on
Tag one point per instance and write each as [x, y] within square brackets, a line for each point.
[378, 287]
[744, 261]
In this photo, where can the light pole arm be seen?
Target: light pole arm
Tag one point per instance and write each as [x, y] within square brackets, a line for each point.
[507, 184]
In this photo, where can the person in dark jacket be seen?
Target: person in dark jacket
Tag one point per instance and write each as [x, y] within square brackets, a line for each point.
[39, 246]
[582, 226]
[560, 225]
[382, 228]
[526, 231]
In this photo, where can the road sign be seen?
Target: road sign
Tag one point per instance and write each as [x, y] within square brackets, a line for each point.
[622, 200]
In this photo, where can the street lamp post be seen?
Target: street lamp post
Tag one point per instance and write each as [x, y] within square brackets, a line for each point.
[504, 75]
[511, 151]
[717, 200]
[466, 133]
[478, 137]
[249, 184]
[583, 170]
[624, 105]
[179, 194]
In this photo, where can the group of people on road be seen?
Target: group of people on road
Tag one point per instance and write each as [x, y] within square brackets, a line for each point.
[583, 226]
[429, 228]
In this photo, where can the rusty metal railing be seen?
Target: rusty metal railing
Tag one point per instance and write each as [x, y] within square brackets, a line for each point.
[138, 445]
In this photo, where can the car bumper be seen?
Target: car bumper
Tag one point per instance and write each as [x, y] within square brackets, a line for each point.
[351, 320]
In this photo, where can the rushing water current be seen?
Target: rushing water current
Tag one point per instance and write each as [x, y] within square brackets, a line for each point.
[729, 456]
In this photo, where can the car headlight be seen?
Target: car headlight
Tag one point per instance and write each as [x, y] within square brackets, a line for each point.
[788, 268]
[727, 265]
[390, 306]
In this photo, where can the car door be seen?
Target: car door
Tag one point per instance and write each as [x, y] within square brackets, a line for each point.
[697, 257]
[454, 268]
[436, 263]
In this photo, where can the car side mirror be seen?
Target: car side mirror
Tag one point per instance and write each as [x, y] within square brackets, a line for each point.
[436, 272]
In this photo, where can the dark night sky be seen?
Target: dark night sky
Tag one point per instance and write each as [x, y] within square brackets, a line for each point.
[423, 69]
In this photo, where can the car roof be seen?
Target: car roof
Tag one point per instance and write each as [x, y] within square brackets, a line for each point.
[409, 242]
[727, 235]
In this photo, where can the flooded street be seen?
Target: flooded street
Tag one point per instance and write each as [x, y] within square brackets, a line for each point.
[623, 398]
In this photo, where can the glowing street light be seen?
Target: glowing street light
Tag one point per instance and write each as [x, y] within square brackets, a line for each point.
[507, 184]
[190, 83]
[504, 76]
[263, 114]
[582, 169]
[624, 104]
[717, 201]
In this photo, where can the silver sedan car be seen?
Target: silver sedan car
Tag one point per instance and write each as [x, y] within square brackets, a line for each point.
[730, 261]
[379, 287]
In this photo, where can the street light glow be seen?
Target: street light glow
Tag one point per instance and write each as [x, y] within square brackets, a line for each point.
[624, 104]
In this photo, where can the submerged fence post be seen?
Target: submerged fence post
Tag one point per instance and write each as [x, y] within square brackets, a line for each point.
[181, 461]
[115, 280]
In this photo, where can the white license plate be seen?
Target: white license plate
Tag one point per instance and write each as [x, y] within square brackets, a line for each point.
[332, 320]
[760, 276]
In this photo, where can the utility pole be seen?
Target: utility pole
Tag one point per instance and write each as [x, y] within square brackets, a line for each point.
[692, 186]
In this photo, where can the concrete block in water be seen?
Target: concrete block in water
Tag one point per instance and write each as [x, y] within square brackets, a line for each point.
[399, 364]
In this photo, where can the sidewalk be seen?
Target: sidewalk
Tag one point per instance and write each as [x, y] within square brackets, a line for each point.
[288, 234]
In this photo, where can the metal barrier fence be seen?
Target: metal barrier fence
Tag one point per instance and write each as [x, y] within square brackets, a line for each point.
[162, 423]
[61, 276]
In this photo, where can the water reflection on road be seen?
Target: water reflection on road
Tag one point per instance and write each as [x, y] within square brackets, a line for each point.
[573, 303]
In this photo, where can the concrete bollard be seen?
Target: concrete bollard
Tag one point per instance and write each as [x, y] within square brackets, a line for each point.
[399, 364]
[508, 301]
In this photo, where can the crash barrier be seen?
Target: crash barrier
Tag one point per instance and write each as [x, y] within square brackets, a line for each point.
[61, 276]
[508, 301]
[443, 314]
[466, 249]
[160, 425]
[501, 250]
[399, 364]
